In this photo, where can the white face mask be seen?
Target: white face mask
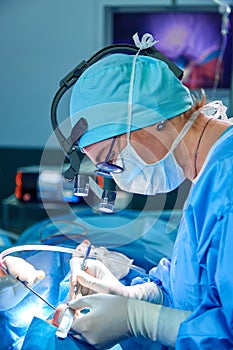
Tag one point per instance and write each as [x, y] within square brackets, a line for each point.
[162, 176]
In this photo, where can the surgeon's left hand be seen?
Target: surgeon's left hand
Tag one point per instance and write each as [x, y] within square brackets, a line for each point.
[113, 318]
[107, 322]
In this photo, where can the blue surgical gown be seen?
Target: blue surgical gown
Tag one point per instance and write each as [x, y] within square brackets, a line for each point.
[199, 276]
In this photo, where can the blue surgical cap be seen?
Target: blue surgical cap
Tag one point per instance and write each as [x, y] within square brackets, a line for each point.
[101, 94]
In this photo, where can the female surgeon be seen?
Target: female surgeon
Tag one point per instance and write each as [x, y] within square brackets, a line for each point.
[159, 136]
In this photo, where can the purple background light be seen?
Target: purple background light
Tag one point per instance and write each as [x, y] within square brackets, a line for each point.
[191, 39]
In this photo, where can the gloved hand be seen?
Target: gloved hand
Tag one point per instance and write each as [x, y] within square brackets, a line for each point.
[97, 278]
[118, 263]
[114, 318]
[11, 290]
[17, 267]
[105, 325]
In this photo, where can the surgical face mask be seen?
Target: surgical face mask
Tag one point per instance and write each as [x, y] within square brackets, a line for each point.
[162, 176]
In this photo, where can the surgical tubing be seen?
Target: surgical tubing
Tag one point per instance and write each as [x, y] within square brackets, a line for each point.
[34, 247]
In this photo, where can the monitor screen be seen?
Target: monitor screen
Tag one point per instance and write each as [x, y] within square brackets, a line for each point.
[190, 37]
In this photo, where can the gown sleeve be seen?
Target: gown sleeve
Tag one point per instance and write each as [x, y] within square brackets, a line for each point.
[211, 324]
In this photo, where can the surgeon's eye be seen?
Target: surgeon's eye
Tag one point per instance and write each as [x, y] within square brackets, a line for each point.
[160, 125]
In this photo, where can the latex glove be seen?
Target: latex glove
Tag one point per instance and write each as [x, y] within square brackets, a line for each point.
[11, 290]
[118, 263]
[17, 267]
[97, 278]
[107, 322]
[156, 322]
[114, 318]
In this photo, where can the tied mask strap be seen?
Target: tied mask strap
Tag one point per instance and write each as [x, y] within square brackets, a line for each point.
[146, 42]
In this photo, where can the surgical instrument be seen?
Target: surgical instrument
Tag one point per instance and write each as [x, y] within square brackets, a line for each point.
[33, 247]
[28, 287]
[67, 318]
[37, 294]
[77, 288]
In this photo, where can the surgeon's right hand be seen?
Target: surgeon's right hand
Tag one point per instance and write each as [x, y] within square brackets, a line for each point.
[96, 278]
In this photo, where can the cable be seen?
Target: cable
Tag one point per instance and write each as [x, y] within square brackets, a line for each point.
[34, 247]
[219, 62]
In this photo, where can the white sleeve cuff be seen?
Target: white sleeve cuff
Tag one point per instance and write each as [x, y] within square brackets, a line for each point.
[156, 322]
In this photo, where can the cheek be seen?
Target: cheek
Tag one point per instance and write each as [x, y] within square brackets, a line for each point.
[160, 149]
[150, 150]
[163, 142]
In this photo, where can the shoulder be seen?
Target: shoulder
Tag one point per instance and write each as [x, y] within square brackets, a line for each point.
[214, 185]
[220, 157]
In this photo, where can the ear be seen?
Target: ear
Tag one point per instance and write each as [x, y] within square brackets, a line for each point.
[160, 125]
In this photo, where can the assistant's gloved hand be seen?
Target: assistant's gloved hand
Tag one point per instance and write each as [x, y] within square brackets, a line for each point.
[97, 278]
[11, 290]
[114, 318]
[17, 267]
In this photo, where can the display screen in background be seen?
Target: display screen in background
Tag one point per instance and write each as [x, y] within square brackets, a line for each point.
[191, 39]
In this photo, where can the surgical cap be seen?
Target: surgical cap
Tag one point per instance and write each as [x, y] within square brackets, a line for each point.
[101, 94]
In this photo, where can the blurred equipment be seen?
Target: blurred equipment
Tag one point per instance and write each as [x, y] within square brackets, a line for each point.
[34, 183]
[225, 11]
